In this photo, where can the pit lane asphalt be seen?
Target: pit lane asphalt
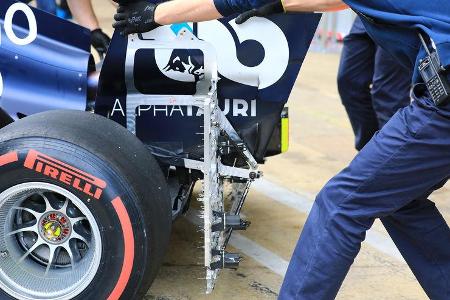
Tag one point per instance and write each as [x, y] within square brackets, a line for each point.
[321, 145]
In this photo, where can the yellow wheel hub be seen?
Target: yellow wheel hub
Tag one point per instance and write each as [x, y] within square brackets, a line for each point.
[55, 227]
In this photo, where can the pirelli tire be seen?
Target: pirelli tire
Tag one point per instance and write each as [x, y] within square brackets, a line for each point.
[95, 200]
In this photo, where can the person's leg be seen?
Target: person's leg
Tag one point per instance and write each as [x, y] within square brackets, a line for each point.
[390, 92]
[404, 161]
[390, 87]
[47, 5]
[422, 236]
[355, 76]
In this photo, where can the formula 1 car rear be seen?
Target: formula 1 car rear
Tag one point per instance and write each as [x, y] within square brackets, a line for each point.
[97, 164]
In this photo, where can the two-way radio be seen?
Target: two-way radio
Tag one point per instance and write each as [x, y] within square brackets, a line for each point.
[433, 74]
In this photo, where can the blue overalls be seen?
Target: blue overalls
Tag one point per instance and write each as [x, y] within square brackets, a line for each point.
[371, 83]
[391, 177]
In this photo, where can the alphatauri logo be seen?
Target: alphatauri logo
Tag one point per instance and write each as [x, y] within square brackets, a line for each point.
[53, 168]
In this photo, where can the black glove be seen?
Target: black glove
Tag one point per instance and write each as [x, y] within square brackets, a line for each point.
[135, 17]
[100, 41]
[266, 10]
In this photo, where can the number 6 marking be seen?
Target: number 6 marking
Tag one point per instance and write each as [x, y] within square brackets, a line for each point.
[265, 32]
[32, 34]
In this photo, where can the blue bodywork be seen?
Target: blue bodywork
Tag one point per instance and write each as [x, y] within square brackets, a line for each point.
[52, 71]
[49, 73]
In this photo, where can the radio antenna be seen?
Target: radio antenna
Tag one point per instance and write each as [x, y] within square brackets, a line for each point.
[424, 44]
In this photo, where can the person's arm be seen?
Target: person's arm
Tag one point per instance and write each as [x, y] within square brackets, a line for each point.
[142, 16]
[178, 11]
[83, 12]
[313, 5]
[284, 6]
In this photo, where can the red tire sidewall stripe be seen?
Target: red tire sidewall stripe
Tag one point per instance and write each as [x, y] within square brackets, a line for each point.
[128, 238]
[8, 158]
[127, 231]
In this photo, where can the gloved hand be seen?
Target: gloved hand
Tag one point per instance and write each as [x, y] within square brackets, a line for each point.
[135, 17]
[100, 41]
[266, 10]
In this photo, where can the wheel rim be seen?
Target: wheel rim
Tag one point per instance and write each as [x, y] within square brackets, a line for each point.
[50, 245]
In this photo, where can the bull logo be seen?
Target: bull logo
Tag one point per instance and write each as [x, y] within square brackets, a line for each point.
[185, 65]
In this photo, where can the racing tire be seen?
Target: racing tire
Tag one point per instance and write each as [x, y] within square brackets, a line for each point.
[84, 209]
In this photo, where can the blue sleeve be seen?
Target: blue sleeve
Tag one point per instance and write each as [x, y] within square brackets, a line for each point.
[405, 18]
[230, 7]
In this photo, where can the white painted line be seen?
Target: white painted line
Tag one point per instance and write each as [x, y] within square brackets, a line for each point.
[302, 202]
[248, 247]
[383, 244]
[263, 256]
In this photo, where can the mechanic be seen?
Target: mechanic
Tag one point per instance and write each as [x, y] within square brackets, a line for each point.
[371, 83]
[393, 174]
[84, 14]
